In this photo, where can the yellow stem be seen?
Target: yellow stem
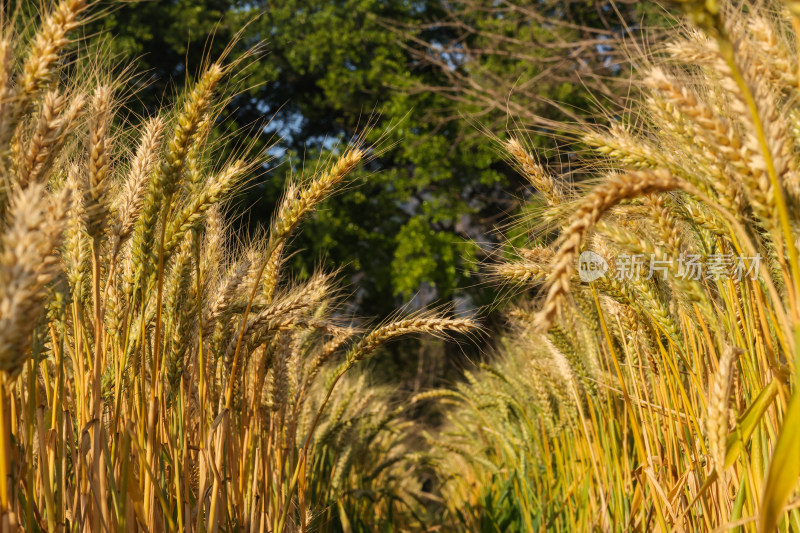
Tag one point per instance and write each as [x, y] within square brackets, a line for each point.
[4, 452]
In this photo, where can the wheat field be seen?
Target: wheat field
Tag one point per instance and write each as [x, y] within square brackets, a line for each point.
[159, 372]
[660, 402]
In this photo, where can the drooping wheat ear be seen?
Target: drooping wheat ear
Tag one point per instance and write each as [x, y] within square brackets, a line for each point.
[681, 130]
[533, 171]
[700, 216]
[639, 244]
[51, 130]
[539, 254]
[27, 264]
[423, 323]
[697, 48]
[590, 210]
[282, 312]
[722, 138]
[128, 203]
[434, 394]
[718, 400]
[642, 297]
[99, 161]
[519, 271]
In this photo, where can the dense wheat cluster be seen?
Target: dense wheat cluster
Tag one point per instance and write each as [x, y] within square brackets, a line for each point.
[158, 374]
[665, 402]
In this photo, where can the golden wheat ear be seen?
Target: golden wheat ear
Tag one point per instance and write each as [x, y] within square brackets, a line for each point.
[591, 209]
[170, 172]
[38, 66]
[430, 323]
[533, 171]
[28, 263]
[99, 161]
[128, 203]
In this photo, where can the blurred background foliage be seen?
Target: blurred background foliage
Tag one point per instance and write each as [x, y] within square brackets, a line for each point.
[430, 77]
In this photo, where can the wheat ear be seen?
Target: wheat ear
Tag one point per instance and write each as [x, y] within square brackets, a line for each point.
[99, 161]
[419, 324]
[128, 203]
[27, 264]
[38, 67]
[717, 423]
[533, 171]
[590, 210]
